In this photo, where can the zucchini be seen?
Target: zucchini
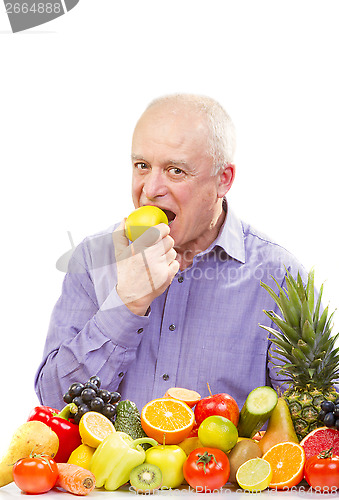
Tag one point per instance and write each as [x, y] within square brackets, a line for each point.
[256, 411]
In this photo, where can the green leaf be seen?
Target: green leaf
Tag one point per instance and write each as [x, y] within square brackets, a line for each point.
[273, 295]
[306, 314]
[310, 290]
[317, 308]
[305, 349]
[301, 290]
[287, 330]
[322, 321]
[308, 334]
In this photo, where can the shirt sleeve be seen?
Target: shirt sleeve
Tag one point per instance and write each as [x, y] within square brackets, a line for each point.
[85, 340]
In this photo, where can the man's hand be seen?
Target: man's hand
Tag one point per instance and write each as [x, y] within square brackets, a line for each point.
[146, 267]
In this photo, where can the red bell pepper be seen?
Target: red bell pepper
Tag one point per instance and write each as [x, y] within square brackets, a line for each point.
[67, 431]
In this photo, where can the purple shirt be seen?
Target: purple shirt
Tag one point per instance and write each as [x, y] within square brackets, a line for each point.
[203, 329]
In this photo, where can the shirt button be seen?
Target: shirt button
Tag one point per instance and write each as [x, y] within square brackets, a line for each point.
[121, 374]
[181, 279]
[140, 330]
[165, 376]
[172, 328]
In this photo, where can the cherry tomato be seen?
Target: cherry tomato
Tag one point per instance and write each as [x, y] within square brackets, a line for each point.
[322, 471]
[206, 469]
[35, 474]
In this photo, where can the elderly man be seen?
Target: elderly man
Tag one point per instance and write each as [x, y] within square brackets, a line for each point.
[199, 321]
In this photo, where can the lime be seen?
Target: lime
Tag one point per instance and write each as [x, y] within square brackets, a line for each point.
[81, 456]
[254, 474]
[218, 432]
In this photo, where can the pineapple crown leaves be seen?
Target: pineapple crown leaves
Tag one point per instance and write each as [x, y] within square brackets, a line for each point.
[304, 343]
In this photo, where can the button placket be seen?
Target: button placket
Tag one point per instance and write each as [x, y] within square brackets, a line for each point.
[170, 335]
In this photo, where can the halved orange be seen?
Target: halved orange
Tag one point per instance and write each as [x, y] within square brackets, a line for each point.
[186, 395]
[168, 421]
[287, 461]
[94, 427]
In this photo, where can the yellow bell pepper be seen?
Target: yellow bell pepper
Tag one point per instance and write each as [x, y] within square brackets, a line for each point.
[115, 457]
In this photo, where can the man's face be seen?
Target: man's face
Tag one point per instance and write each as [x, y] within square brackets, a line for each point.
[172, 171]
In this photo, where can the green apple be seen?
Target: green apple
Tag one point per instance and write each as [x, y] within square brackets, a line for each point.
[170, 459]
[218, 432]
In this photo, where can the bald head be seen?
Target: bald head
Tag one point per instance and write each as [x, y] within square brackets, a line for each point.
[220, 128]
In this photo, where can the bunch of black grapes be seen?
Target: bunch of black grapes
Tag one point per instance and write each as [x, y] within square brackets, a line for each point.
[329, 413]
[89, 397]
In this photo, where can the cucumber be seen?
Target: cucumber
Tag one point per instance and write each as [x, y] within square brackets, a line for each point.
[257, 410]
[128, 420]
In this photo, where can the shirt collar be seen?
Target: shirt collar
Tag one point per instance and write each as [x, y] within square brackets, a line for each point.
[231, 236]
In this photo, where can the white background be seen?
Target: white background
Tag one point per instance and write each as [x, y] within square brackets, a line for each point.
[70, 94]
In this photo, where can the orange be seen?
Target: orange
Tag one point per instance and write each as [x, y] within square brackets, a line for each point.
[167, 420]
[186, 395]
[287, 461]
[94, 427]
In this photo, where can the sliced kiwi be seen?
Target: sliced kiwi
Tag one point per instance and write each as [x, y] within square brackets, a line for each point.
[146, 478]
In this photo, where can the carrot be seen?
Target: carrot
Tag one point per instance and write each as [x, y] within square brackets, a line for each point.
[75, 479]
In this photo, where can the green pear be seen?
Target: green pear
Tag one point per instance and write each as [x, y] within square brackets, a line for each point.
[280, 427]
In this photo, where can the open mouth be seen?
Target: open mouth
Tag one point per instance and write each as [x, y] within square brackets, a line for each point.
[170, 215]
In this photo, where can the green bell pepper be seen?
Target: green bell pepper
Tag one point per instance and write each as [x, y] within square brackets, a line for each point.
[115, 457]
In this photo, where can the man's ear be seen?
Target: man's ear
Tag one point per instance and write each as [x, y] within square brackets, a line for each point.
[226, 178]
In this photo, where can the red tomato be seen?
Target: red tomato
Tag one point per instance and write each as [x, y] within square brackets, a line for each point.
[206, 469]
[322, 472]
[35, 474]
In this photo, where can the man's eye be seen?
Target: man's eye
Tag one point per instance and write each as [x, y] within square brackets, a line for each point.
[140, 165]
[176, 171]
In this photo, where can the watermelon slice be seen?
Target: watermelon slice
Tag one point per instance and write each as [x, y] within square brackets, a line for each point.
[319, 440]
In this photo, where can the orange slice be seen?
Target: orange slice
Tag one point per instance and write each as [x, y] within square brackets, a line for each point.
[167, 420]
[186, 395]
[94, 427]
[287, 461]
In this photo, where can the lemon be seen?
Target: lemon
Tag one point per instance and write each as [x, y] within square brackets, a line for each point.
[81, 456]
[143, 218]
[94, 427]
[254, 474]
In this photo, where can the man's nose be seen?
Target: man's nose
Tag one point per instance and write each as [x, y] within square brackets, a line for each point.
[155, 185]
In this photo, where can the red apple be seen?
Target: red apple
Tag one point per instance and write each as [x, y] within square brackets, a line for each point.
[217, 404]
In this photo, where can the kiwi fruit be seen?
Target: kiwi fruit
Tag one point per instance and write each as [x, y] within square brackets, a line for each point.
[146, 478]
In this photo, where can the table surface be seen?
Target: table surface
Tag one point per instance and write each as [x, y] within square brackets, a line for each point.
[233, 493]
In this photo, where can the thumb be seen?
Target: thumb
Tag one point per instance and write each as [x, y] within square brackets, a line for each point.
[120, 241]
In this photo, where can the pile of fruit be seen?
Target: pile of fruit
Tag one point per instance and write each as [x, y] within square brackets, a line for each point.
[180, 440]
[184, 440]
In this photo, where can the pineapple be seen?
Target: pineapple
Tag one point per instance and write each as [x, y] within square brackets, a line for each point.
[305, 350]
